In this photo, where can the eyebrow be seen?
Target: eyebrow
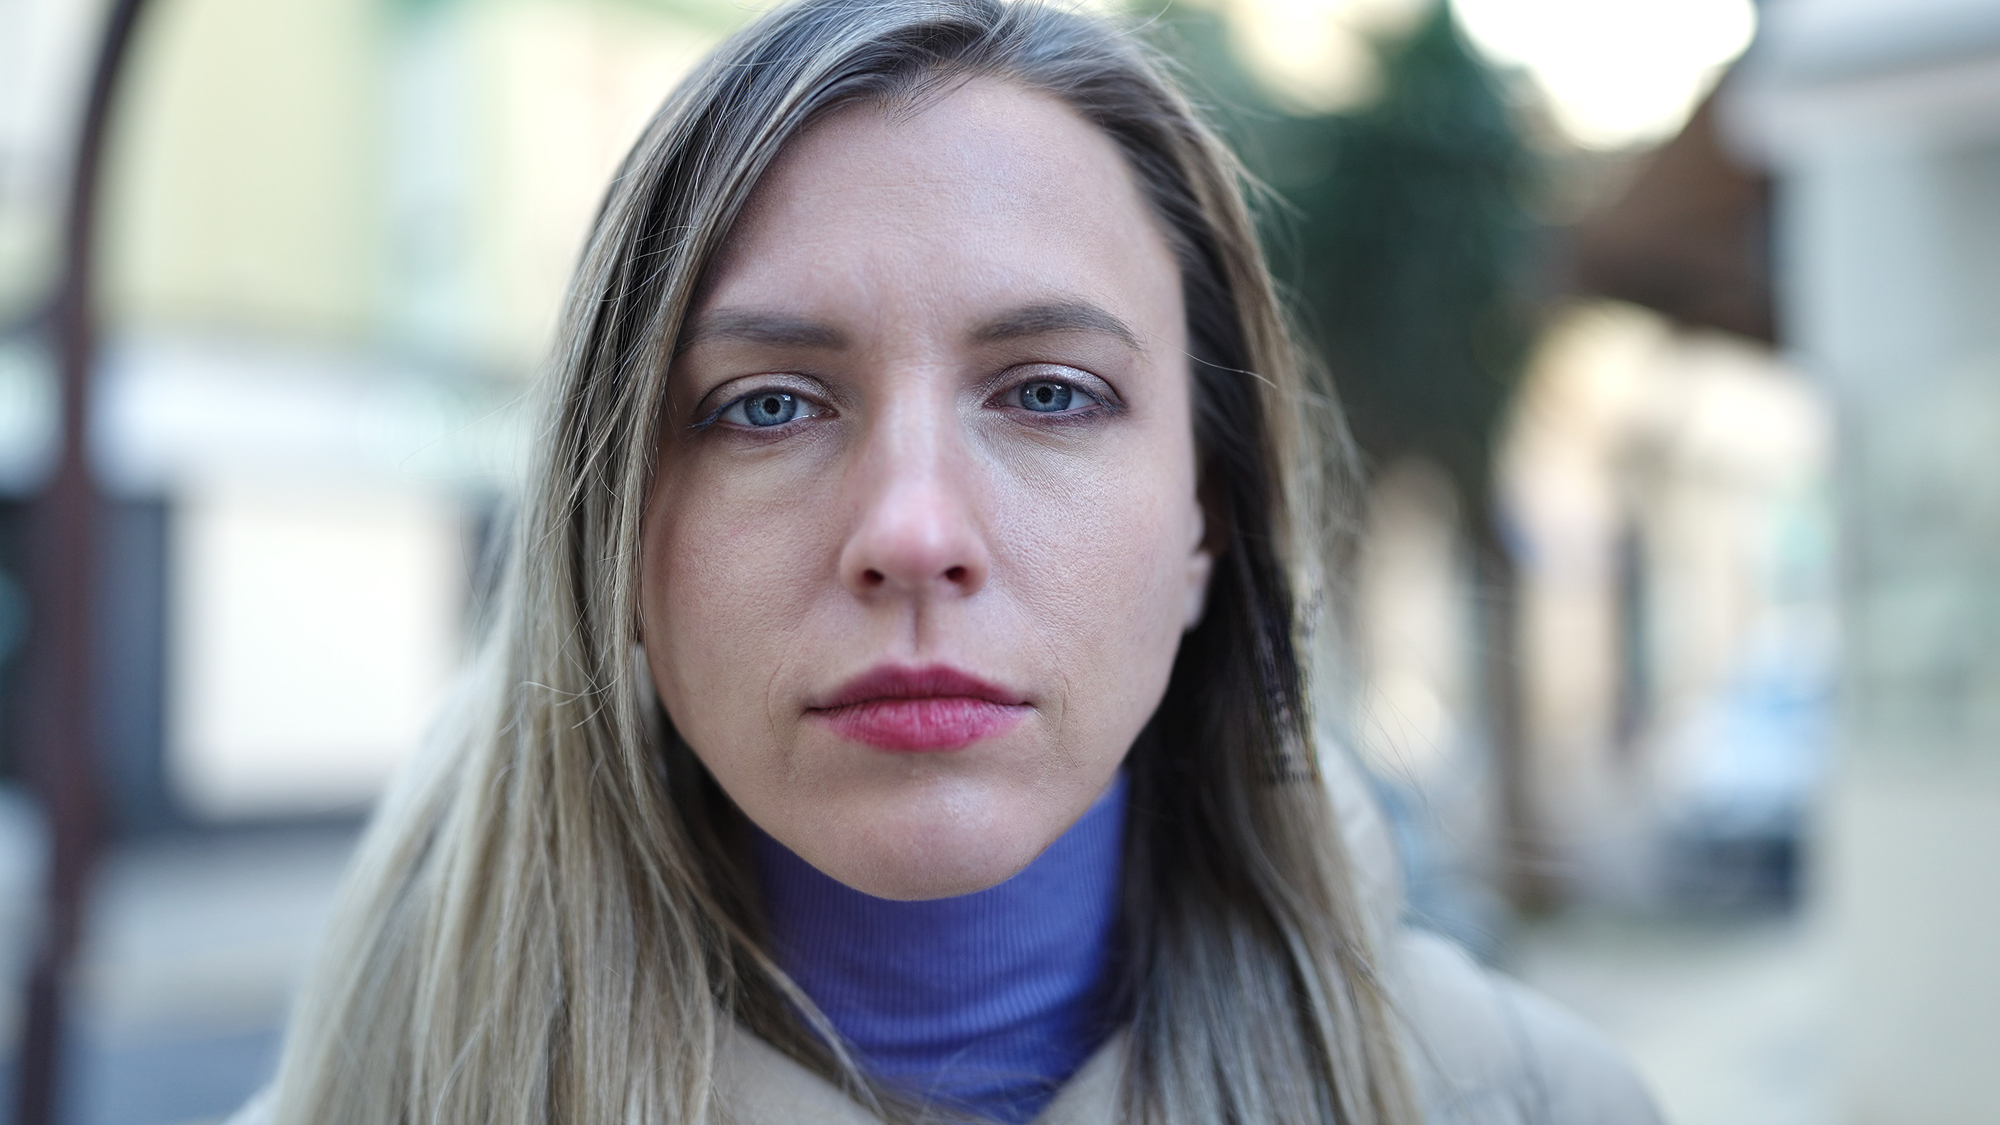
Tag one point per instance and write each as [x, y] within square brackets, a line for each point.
[1051, 318]
[775, 329]
[771, 328]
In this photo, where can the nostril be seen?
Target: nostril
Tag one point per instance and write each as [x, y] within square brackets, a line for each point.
[873, 577]
[955, 575]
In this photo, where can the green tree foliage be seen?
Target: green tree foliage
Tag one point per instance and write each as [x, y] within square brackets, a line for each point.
[1405, 238]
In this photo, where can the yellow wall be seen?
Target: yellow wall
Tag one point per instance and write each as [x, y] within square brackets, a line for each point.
[253, 174]
[566, 88]
[244, 184]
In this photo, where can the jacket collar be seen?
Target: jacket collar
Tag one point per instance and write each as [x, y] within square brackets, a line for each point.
[759, 1085]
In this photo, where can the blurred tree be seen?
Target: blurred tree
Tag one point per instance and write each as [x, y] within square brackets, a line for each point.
[1411, 255]
[1410, 248]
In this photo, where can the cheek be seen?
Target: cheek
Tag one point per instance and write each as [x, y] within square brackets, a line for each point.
[1101, 567]
[725, 593]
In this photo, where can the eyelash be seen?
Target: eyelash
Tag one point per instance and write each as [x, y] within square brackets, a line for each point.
[805, 401]
[1094, 405]
[802, 403]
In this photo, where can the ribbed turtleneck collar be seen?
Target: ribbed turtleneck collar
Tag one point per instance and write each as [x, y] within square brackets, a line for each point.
[987, 1001]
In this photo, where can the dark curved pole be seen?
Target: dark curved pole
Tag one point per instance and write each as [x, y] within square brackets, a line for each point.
[62, 724]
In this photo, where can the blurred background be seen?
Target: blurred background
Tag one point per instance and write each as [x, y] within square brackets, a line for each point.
[1670, 330]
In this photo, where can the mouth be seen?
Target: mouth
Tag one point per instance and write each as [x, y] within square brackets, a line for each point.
[935, 707]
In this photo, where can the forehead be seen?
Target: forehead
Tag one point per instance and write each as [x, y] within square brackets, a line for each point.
[981, 195]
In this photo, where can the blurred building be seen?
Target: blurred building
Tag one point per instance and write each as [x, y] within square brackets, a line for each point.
[1670, 482]
[338, 233]
[1881, 122]
[1667, 488]
[1666, 491]
[337, 238]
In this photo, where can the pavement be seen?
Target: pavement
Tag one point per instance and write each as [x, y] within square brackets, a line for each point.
[1725, 1016]
[196, 944]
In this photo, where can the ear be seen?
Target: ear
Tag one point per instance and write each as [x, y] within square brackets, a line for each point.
[1200, 564]
[642, 679]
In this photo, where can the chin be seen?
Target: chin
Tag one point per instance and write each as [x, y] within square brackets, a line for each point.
[936, 843]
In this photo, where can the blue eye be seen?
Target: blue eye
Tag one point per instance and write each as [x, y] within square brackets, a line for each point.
[765, 408]
[1046, 397]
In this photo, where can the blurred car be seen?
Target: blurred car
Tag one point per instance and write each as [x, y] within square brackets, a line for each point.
[1741, 773]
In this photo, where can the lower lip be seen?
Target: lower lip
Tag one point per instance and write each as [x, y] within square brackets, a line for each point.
[917, 725]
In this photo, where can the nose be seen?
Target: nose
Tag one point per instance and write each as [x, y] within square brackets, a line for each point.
[918, 532]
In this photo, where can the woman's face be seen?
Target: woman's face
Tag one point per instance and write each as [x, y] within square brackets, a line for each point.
[924, 534]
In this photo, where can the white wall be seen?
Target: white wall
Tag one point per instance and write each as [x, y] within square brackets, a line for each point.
[1888, 160]
[313, 632]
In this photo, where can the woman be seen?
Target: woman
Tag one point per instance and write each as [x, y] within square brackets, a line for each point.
[899, 705]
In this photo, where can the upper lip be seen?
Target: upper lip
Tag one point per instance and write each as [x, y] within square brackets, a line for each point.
[930, 681]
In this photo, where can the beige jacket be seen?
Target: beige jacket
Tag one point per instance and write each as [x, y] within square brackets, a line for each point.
[1481, 1049]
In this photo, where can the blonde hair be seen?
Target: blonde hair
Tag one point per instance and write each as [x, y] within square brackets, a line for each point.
[549, 920]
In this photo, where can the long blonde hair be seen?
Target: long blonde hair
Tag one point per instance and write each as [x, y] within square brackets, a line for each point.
[549, 920]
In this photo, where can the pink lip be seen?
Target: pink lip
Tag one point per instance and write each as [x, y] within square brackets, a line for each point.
[936, 707]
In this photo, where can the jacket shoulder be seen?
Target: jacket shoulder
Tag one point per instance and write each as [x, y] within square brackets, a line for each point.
[256, 1111]
[1486, 1050]
[758, 1085]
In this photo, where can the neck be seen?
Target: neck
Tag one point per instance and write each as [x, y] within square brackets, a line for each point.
[987, 1001]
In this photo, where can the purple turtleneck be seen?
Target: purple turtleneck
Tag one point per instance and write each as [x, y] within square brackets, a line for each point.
[985, 1002]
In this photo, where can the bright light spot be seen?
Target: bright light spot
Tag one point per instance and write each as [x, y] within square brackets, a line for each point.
[1316, 54]
[1616, 72]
